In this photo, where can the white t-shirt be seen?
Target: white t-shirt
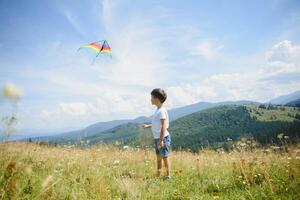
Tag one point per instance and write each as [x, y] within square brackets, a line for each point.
[159, 114]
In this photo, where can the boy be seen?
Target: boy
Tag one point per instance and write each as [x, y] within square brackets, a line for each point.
[159, 126]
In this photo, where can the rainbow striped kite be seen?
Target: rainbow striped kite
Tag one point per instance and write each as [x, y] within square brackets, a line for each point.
[101, 47]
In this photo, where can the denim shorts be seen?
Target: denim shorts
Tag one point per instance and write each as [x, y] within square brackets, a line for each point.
[163, 151]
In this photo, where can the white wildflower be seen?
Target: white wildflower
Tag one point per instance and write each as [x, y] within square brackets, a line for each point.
[116, 162]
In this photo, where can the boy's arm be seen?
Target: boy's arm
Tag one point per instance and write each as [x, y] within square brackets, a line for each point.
[163, 121]
[163, 129]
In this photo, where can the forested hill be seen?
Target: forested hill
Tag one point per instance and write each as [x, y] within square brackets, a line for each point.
[212, 127]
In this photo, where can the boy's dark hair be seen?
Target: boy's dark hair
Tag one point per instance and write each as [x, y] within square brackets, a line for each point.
[160, 94]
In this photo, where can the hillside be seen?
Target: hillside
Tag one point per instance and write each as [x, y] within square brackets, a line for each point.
[284, 99]
[105, 126]
[295, 103]
[211, 127]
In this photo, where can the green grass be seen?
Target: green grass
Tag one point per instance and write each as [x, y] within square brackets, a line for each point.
[30, 171]
[275, 113]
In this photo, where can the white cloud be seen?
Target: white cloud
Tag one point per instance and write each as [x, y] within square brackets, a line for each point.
[106, 106]
[280, 67]
[72, 19]
[208, 49]
[138, 60]
[217, 87]
[262, 85]
[75, 108]
[111, 102]
[284, 51]
[283, 57]
[229, 87]
[45, 114]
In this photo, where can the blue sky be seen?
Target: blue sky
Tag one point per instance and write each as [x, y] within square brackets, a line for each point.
[195, 50]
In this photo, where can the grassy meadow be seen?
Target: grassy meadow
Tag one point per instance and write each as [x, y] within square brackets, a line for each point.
[32, 171]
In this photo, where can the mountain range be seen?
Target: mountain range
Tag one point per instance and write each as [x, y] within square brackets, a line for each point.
[118, 130]
[104, 126]
[211, 127]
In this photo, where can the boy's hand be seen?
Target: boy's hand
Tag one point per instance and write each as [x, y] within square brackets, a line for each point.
[146, 125]
[160, 144]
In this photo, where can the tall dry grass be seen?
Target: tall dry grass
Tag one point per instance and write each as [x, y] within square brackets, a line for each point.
[31, 171]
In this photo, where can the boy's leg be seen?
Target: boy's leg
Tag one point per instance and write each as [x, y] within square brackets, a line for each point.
[159, 165]
[167, 165]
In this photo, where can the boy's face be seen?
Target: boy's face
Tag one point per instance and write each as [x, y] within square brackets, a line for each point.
[153, 100]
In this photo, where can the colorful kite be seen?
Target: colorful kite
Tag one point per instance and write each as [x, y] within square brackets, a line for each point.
[101, 47]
